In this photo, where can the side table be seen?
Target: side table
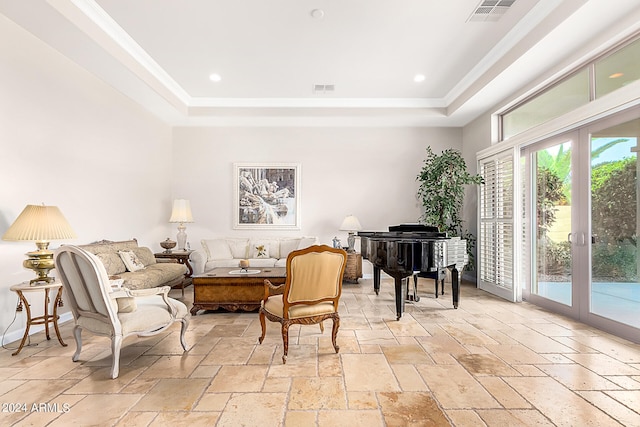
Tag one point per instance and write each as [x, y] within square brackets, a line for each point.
[353, 269]
[46, 318]
[183, 258]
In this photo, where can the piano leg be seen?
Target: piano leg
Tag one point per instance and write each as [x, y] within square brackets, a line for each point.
[413, 296]
[399, 281]
[376, 280]
[455, 286]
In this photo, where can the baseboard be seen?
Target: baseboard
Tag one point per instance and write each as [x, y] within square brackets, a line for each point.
[15, 336]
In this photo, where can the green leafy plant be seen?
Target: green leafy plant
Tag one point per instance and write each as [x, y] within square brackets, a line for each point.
[443, 179]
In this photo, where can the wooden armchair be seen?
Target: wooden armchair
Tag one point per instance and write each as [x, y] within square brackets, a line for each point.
[311, 292]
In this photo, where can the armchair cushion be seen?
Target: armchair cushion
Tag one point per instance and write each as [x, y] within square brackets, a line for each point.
[274, 305]
[126, 304]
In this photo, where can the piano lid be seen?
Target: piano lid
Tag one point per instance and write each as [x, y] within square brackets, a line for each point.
[413, 227]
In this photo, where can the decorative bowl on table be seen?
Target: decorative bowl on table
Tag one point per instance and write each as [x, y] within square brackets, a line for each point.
[168, 245]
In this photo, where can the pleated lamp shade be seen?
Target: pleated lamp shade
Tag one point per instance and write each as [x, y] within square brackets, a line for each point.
[39, 223]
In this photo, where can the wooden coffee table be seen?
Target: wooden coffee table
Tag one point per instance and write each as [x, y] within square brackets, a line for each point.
[229, 289]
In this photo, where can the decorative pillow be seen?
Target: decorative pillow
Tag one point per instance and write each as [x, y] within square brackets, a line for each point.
[287, 246]
[238, 247]
[305, 242]
[126, 304]
[131, 260]
[112, 263]
[145, 255]
[217, 249]
[260, 250]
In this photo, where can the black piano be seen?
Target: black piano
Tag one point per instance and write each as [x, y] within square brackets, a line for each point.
[408, 250]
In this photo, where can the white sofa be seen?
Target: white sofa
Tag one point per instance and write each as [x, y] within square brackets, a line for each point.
[261, 252]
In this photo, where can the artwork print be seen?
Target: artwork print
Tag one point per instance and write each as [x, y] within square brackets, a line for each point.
[267, 196]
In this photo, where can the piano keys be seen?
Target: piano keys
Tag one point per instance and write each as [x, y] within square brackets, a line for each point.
[407, 250]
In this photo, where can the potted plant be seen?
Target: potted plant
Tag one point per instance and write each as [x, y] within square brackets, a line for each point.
[442, 180]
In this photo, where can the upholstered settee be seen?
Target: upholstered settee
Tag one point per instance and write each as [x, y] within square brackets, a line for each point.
[136, 265]
[261, 252]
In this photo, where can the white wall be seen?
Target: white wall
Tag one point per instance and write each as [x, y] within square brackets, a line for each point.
[368, 172]
[69, 140]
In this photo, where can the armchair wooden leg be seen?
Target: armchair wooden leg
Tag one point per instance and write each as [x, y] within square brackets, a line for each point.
[285, 341]
[263, 325]
[334, 332]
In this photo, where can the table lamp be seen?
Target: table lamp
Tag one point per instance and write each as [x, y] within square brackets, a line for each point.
[40, 223]
[351, 224]
[181, 213]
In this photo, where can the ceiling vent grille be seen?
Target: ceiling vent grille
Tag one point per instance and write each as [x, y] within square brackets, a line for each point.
[490, 10]
[320, 89]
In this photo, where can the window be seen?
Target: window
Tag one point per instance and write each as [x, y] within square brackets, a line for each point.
[593, 80]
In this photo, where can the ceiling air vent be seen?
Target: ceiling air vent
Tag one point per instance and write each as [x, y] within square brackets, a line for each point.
[320, 89]
[490, 10]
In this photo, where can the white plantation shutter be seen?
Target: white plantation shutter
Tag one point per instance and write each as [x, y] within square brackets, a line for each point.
[496, 228]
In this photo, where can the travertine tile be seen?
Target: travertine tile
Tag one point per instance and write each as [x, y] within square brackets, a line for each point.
[545, 393]
[314, 393]
[453, 387]
[577, 377]
[172, 395]
[258, 409]
[362, 400]
[621, 411]
[343, 418]
[603, 365]
[503, 393]
[411, 408]
[232, 378]
[369, 372]
[408, 377]
[485, 364]
[110, 409]
[402, 354]
[513, 417]
[300, 418]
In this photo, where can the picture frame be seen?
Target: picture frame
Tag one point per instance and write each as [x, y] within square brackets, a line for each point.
[266, 196]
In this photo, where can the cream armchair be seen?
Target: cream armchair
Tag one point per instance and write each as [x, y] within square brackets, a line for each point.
[311, 292]
[117, 315]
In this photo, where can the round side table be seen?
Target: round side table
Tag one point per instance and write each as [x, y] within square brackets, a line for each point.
[46, 318]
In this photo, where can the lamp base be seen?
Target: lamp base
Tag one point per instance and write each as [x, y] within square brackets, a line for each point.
[351, 241]
[181, 237]
[42, 263]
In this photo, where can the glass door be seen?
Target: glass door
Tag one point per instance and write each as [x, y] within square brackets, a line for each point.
[615, 292]
[581, 224]
[550, 221]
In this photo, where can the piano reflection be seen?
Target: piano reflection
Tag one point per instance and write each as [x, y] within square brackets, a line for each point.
[408, 250]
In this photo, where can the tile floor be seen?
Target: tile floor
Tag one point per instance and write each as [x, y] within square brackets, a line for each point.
[489, 362]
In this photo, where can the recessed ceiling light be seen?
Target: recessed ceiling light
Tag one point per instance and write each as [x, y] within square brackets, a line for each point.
[419, 78]
[317, 13]
[215, 77]
[616, 75]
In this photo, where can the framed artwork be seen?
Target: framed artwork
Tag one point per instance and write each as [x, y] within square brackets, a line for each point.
[266, 196]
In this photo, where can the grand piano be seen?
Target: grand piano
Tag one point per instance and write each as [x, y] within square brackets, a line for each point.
[412, 250]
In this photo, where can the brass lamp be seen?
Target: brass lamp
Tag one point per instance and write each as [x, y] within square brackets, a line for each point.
[41, 224]
[181, 213]
[351, 224]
